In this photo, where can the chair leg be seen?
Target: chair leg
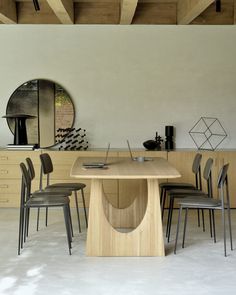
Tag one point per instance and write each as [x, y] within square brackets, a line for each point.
[37, 228]
[203, 221]
[71, 226]
[85, 212]
[185, 225]
[163, 203]
[224, 230]
[170, 221]
[168, 218]
[28, 217]
[25, 223]
[198, 217]
[177, 230]
[22, 227]
[213, 225]
[46, 219]
[77, 209]
[20, 230]
[230, 227]
[210, 221]
[66, 217]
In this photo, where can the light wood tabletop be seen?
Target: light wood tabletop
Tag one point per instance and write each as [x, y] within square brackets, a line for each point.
[124, 168]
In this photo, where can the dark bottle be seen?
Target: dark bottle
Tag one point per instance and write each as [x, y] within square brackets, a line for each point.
[169, 133]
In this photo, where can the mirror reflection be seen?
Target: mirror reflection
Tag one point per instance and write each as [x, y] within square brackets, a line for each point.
[52, 107]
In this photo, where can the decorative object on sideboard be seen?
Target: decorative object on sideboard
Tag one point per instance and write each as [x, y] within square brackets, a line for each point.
[153, 144]
[169, 142]
[20, 132]
[208, 133]
[75, 140]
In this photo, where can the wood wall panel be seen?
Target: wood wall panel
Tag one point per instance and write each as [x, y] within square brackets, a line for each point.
[28, 15]
[155, 13]
[97, 13]
[211, 17]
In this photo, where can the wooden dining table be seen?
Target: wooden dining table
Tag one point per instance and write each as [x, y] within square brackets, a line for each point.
[132, 231]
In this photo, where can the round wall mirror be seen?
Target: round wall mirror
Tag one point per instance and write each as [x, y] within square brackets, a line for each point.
[50, 107]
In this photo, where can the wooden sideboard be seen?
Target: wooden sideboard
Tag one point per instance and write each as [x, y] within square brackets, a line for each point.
[120, 193]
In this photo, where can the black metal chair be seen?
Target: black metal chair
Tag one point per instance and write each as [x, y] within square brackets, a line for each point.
[47, 168]
[27, 202]
[210, 204]
[166, 186]
[50, 191]
[185, 193]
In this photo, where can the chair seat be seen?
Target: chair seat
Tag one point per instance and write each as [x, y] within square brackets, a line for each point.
[169, 185]
[58, 189]
[68, 185]
[187, 192]
[47, 201]
[50, 194]
[202, 202]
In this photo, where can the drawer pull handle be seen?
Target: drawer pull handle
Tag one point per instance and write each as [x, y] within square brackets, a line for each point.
[4, 171]
[4, 186]
[4, 201]
[4, 158]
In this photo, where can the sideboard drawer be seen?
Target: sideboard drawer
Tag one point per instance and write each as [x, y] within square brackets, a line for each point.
[9, 200]
[16, 157]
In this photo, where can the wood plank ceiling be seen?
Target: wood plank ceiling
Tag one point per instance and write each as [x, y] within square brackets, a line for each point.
[201, 12]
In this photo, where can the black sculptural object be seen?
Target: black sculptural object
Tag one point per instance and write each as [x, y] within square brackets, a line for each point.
[20, 134]
[169, 133]
[153, 144]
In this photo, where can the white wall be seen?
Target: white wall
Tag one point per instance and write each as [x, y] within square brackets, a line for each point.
[128, 81]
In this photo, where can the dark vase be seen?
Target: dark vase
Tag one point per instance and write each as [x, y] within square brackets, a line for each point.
[150, 145]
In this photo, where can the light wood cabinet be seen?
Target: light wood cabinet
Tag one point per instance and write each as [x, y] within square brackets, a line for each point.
[10, 175]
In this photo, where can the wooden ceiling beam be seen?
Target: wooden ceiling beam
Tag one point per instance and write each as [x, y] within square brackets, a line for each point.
[63, 9]
[8, 12]
[235, 12]
[127, 11]
[188, 10]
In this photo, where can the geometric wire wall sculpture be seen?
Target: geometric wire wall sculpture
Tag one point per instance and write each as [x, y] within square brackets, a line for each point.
[75, 140]
[207, 133]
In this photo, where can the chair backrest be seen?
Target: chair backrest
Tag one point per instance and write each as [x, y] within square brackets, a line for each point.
[30, 168]
[46, 163]
[196, 169]
[207, 175]
[222, 185]
[46, 168]
[25, 184]
[222, 178]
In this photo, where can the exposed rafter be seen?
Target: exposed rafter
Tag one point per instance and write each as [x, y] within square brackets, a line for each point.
[188, 10]
[64, 10]
[127, 10]
[235, 12]
[8, 12]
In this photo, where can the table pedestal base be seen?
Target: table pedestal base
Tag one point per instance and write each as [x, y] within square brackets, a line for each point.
[145, 240]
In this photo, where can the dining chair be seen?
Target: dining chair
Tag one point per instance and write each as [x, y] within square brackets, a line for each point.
[47, 169]
[222, 204]
[28, 202]
[166, 186]
[185, 193]
[49, 191]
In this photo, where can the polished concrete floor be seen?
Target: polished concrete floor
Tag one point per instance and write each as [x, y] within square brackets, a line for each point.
[44, 267]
